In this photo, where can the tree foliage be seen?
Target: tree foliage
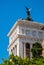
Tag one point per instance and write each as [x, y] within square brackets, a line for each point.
[36, 49]
[35, 60]
[15, 60]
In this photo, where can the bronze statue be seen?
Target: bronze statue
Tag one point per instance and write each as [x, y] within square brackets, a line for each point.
[27, 11]
[28, 14]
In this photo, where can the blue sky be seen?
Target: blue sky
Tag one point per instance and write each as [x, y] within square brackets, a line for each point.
[10, 11]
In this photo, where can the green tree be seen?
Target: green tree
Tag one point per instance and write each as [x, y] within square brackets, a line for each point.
[15, 60]
[36, 49]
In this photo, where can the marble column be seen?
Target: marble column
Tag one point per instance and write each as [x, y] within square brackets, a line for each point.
[30, 51]
[24, 49]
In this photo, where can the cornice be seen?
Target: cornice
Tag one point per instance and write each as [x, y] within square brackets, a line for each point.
[20, 21]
